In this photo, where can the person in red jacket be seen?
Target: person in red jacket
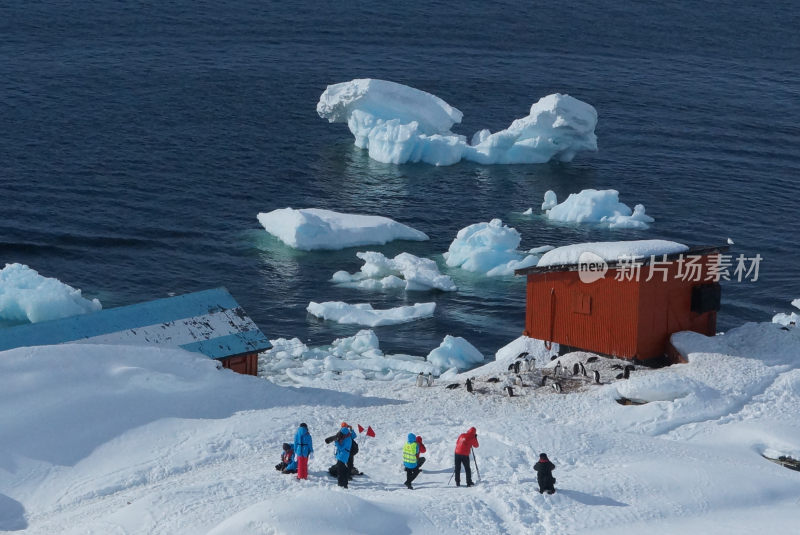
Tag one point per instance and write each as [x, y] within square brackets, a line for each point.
[464, 444]
[420, 449]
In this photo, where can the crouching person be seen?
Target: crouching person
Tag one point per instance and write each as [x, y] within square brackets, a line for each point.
[344, 441]
[287, 465]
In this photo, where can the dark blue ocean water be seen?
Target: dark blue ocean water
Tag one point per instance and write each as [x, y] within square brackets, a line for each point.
[138, 142]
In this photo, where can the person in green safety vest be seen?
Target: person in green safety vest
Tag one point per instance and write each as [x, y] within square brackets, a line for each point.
[410, 461]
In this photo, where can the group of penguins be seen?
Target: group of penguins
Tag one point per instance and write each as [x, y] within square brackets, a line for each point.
[524, 363]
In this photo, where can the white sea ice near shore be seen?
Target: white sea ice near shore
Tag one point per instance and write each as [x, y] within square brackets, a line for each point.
[357, 357]
[314, 228]
[455, 352]
[363, 313]
[489, 248]
[399, 124]
[404, 271]
[610, 251]
[596, 206]
[792, 318]
[25, 295]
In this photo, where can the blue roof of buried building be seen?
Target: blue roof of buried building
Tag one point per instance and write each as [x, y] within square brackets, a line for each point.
[210, 322]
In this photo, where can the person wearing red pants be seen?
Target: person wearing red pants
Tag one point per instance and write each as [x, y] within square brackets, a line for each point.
[303, 447]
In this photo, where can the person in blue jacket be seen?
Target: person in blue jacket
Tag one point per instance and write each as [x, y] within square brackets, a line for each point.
[288, 465]
[303, 447]
[344, 441]
[411, 459]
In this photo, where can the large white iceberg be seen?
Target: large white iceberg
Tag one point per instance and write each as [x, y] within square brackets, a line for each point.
[364, 314]
[596, 206]
[404, 271]
[610, 251]
[315, 228]
[27, 296]
[489, 248]
[455, 352]
[399, 124]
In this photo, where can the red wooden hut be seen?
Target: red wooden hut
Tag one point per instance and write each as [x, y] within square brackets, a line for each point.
[623, 313]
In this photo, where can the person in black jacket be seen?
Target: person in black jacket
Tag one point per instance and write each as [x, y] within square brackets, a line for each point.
[544, 474]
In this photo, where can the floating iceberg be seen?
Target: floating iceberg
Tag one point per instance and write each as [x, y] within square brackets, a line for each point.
[364, 314]
[793, 318]
[610, 251]
[596, 206]
[380, 273]
[314, 228]
[489, 248]
[400, 124]
[27, 296]
[550, 200]
[455, 352]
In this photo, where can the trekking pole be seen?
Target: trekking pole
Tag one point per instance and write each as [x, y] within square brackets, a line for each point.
[476, 464]
[451, 477]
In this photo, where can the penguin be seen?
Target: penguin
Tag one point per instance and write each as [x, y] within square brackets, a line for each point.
[557, 370]
[452, 386]
[591, 359]
[511, 367]
[583, 369]
[627, 371]
[516, 366]
[576, 369]
[557, 386]
[469, 386]
[522, 355]
[510, 391]
[420, 380]
[596, 375]
[429, 380]
[518, 381]
[554, 357]
[621, 376]
[492, 380]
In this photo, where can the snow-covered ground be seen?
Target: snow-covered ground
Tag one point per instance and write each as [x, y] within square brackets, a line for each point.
[400, 124]
[107, 439]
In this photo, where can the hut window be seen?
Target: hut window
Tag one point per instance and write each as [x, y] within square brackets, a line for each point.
[581, 303]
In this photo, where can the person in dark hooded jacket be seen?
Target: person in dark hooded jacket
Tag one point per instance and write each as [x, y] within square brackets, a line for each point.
[544, 474]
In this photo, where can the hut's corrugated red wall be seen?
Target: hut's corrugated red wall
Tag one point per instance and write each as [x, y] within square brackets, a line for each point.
[246, 364]
[601, 316]
[623, 318]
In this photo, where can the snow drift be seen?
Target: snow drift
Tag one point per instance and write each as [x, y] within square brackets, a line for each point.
[27, 296]
[399, 124]
[610, 251]
[313, 228]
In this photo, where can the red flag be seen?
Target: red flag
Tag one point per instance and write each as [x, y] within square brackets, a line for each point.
[370, 432]
[360, 429]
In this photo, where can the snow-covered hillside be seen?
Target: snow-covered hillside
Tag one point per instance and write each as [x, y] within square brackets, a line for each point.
[104, 439]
